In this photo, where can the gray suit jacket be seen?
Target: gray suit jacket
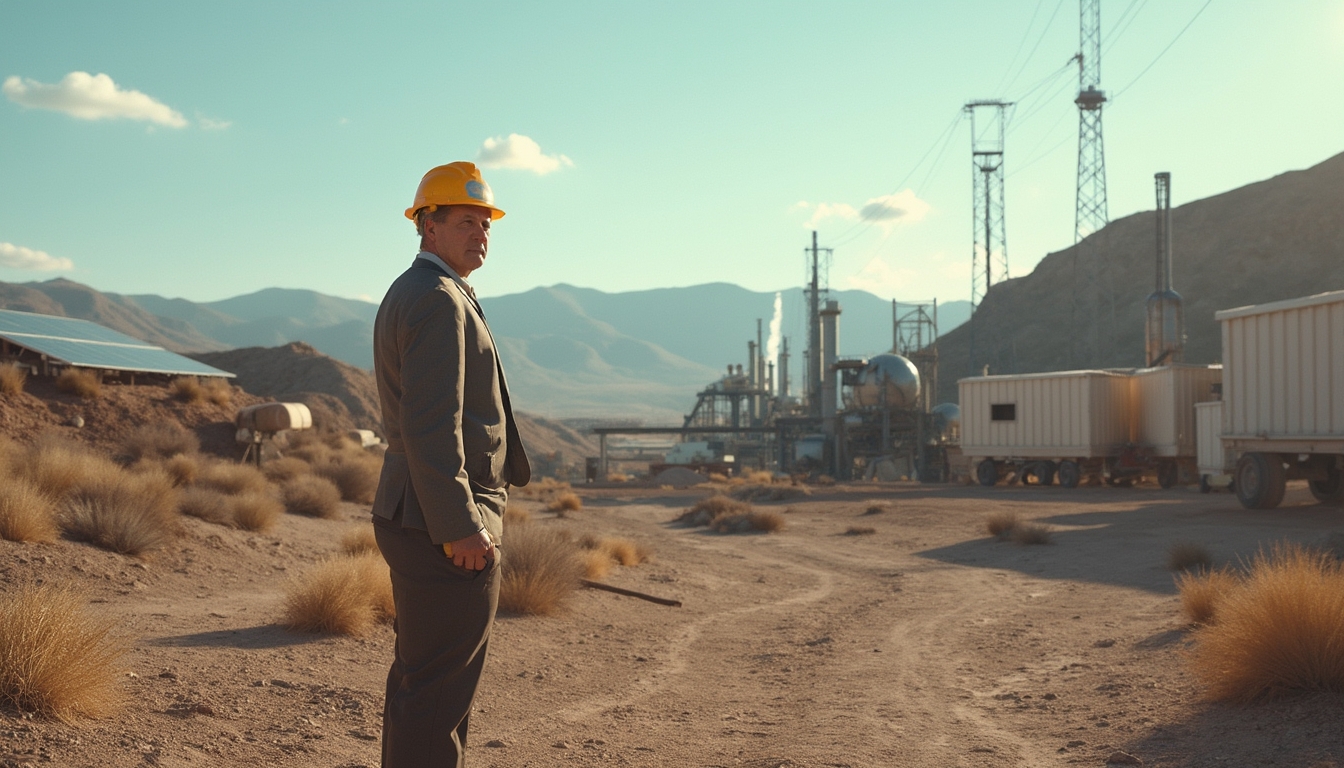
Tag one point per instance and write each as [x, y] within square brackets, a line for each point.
[453, 446]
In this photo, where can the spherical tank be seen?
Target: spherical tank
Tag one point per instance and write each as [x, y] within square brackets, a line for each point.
[889, 380]
[947, 420]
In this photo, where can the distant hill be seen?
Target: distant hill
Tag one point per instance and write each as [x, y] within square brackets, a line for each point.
[1271, 240]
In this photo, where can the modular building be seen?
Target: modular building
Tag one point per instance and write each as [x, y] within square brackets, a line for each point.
[1164, 412]
[1283, 397]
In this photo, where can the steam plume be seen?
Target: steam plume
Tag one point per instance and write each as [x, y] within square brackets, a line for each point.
[772, 345]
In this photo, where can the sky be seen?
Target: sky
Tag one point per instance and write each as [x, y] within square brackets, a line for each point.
[204, 151]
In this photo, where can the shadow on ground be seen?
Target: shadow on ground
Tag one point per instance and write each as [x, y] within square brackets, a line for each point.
[262, 636]
[1302, 731]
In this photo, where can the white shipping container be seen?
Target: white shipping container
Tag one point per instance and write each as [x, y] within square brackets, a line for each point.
[1165, 398]
[1209, 455]
[1067, 414]
[1283, 373]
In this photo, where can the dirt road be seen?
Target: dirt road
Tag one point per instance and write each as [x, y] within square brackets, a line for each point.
[923, 643]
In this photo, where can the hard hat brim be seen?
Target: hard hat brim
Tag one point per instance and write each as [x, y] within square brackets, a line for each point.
[495, 212]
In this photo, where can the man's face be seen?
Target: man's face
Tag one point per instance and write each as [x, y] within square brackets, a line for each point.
[462, 239]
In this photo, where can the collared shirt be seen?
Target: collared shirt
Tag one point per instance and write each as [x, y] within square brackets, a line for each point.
[461, 281]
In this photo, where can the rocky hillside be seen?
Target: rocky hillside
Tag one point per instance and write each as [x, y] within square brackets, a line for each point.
[1276, 239]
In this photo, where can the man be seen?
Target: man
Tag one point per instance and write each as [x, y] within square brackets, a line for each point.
[453, 450]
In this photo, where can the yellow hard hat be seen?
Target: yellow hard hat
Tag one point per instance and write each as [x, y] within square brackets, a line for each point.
[457, 183]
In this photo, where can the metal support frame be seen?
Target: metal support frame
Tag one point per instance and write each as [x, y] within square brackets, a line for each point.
[1093, 295]
[989, 250]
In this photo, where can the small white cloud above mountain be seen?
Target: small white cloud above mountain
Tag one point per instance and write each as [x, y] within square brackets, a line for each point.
[18, 257]
[884, 211]
[91, 97]
[519, 153]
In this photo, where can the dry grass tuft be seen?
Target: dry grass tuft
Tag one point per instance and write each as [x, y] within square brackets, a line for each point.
[312, 496]
[596, 563]
[1028, 534]
[378, 579]
[285, 468]
[769, 492]
[12, 378]
[564, 503]
[759, 476]
[768, 521]
[121, 511]
[207, 504]
[541, 570]
[359, 541]
[717, 477]
[706, 510]
[1002, 524]
[1281, 631]
[618, 477]
[878, 508]
[55, 658]
[1201, 593]
[341, 596]
[77, 381]
[860, 530]
[624, 551]
[254, 511]
[354, 473]
[218, 391]
[188, 389]
[546, 486]
[26, 514]
[57, 466]
[516, 516]
[182, 469]
[160, 440]
[232, 479]
[1188, 556]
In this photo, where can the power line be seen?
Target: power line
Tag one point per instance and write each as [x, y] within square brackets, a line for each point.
[1025, 34]
[1039, 40]
[1164, 50]
[1122, 25]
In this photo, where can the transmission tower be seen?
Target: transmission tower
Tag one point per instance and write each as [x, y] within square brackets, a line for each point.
[989, 252]
[1093, 299]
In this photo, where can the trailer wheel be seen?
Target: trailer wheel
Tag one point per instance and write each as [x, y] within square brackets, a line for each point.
[1204, 486]
[986, 473]
[1260, 480]
[1045, 472]
[1167, 474]
[1070, 474]
[1330, 490]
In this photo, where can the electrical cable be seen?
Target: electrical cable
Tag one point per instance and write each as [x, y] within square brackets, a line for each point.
[1039, 40]
[1025, 34]
[1121, 26]
[1159, 56]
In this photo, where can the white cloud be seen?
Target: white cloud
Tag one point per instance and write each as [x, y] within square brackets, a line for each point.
[18, 257]
[885, 211]
[91, 97]
[520, 153]
[211, 124]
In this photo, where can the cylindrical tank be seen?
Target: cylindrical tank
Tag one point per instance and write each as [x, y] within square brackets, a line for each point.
[947, 420]
[1164, 332]
[889, 380]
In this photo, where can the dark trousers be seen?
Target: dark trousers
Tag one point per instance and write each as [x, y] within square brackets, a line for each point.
[444, 614]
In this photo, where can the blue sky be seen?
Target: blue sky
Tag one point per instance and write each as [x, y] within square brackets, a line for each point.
[277, 143]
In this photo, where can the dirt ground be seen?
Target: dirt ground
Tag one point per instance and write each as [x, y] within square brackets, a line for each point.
[926, 643]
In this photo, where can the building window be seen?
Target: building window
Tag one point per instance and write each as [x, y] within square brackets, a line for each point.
[1003, 412]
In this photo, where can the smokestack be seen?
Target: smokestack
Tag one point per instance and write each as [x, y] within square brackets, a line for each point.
[1164, 331]
[783, 367]
[830, 333]
[753, 379]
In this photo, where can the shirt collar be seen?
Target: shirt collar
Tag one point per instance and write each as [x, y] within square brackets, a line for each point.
[461, 281]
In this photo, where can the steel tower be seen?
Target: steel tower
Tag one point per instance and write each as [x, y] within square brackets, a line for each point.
[1092, 296]
[989, 251]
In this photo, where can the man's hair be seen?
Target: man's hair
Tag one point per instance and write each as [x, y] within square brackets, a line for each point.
[439, 215]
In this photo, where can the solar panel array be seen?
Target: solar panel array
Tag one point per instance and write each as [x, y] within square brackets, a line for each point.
[85, 344]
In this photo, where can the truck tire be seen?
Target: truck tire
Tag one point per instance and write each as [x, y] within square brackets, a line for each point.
[986, 473]
[1045, 472]
[1070, 474]
[1260, 480]
[1167, 474]
[1330, 490]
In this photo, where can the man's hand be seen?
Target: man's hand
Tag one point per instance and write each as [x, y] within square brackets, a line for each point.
[473, 553]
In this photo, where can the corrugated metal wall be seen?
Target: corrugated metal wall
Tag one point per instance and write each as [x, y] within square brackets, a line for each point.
[1074, 414]
[1283, 368]
[1165, 413]
[1208, 441]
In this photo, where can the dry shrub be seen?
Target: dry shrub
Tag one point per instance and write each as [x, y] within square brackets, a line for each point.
[769, 492]
[159, 440]
[55, 658]
[56, 466]
[541, 570]
[624, 551]
[706, 510]
[123, 512]
[217, 391]
[355, 475]
[825, 480]
[565, 502]
[760, 477]
[596, 563]
[182, 468]
[26, 514]
[768, 521]
[618, 477]
[546, 486]
[188, 389]
[207, 504]
[12, 378]
[516, 516]
[233, 479]
[1027, 534]
[717, 477]
[338, 596]
[285, 468]
[878, 508]
[860, 530]
[378, 578]
[1201, 593]
[1002, 524]
[1282, 630]
[359, 541]
[312, 496]
[1188, 556]
[11, 456]
[77, 381]
[255, 511]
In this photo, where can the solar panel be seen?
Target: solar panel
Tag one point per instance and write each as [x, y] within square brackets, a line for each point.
[85, 344]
